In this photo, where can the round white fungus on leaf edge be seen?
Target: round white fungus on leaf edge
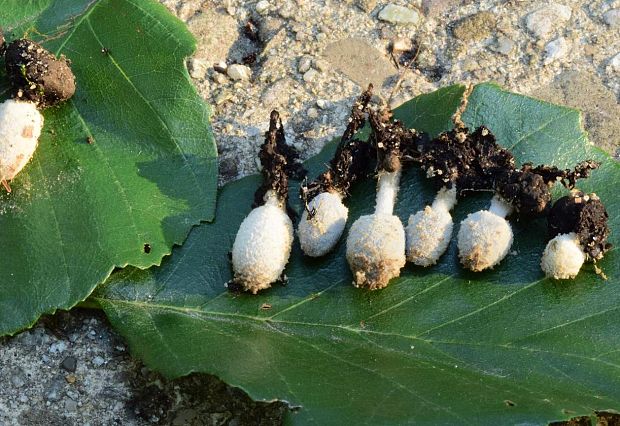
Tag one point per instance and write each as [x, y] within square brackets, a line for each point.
[429, 231]
[484, 239]
[262, 246]
[376, 250]
[563, 257]
[319, 235]
[20, 127]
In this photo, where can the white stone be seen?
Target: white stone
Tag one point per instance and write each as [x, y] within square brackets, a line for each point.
[313, 113]
[399, 15]
[555, 49]
[612, 18]
[614, 63]
[197, 68]
[305, 62]
[322, 103]
[262, 7]
[544, 21]
[503, 45]
[310, 75]
[239, 72]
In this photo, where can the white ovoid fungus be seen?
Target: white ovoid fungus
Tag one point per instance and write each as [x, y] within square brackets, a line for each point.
[263, 245]
[485, 237]
[429, 231]
[563, 257]
[20, 128]
[319, 233]
[376, 242]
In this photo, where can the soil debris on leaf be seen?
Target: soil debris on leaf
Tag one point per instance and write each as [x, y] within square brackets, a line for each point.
[37, 75]
[586, 216]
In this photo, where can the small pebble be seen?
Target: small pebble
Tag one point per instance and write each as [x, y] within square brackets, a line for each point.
[366, 5]
[612, 18]
[239, 72]
[69, 364]
[542, 22]
[98, 361]
[313, 113]
[305, 62]
[399, 15]
[57, 347]
[614, 63]
[555, 50]
[197, 68]
[503, 45]
[322, 103]
[310, 75]
[262, 7]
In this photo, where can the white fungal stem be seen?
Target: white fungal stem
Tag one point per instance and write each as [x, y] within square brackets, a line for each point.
[376, 242]
[263, 245]
[563, 257]
[485, 237]
[20, 127]
[429, 231]
[319, 233]
[387, 189]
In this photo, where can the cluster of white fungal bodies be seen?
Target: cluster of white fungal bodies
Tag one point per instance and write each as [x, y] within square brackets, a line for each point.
[563, 257]
[20, 127]
[485, 237]
[321, 231]
[376, 243]
[263, 245]
[429, 231]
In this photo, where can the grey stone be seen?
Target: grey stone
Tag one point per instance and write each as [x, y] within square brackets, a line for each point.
[503, 45]
[238, 72]
[475, 27]
[612, 18]
[360, 62]
[18, 378]
[614, 62]
[98, 361]
[400, 15]
[71, 406]
[262, 7]
[69, 364]
[310, 75]
[547, 19]
[305, 62]
[555, 50]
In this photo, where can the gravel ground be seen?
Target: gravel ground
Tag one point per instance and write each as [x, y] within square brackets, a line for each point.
[310, 59]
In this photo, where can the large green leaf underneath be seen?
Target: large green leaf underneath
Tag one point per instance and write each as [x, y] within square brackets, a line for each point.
[79, 209]
[438, 346]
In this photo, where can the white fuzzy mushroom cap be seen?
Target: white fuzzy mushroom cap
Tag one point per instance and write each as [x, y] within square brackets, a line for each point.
[429, 231]
[563, 257]
[262, 246]
[20, 128]
[485, 237]
[376, 250]
[319, 235]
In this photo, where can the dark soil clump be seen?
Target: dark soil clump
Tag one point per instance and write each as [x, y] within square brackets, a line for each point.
[471, 161]
[37, 75]
[585, 215]
[279, 161]
[351, 160]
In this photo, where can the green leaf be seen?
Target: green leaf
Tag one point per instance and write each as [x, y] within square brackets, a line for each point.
[78, 210]
[438, 346]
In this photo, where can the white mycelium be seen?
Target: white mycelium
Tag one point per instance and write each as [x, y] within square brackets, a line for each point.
[429, 231]
[563, 257]
[263, 245]
[485, 237]
[20, 128]
[376, 243]
[319, 234]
